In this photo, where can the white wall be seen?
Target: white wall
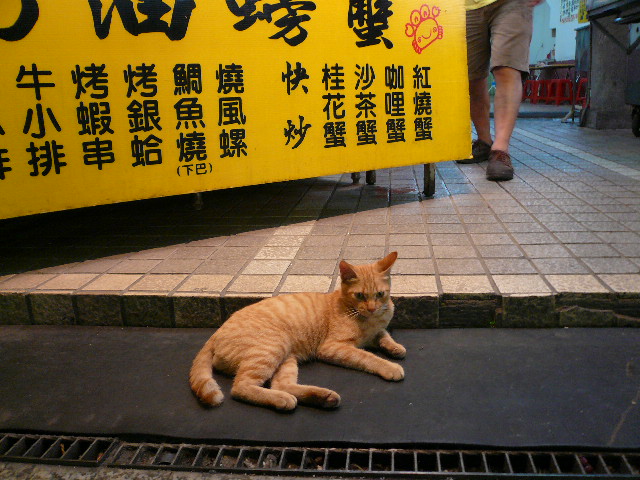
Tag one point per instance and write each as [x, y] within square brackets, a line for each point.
[546, 17]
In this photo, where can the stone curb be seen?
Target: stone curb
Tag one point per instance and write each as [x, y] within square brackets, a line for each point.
[468, 310]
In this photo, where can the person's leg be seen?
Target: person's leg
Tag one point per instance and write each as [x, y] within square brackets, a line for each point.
[480, 108]
[511, 25]
[478, 51]
[506, 105]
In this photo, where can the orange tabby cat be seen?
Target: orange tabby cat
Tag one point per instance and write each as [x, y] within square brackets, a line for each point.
[266, 340]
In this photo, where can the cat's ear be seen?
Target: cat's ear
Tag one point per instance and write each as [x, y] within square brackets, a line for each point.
[387, 262]
[347, 273]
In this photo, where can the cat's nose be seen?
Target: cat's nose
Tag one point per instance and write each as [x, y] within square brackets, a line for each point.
[371, 309]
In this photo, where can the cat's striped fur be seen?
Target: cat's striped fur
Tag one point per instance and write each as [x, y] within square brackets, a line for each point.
[265, 341]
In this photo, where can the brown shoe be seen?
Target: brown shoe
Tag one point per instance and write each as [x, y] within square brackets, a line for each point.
[499, 168]
[480, 151]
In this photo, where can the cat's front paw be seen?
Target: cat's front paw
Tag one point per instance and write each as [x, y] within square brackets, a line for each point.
[285, 401]
[332, 400]
[397, 351]
[393, 372]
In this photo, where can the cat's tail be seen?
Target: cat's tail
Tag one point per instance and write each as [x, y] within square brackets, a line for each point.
[201, 378]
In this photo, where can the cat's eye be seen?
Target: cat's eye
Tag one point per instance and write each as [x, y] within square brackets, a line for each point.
[380, 294]
[360, 296]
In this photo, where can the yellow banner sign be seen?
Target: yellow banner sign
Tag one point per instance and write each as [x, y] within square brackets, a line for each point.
[116, 100]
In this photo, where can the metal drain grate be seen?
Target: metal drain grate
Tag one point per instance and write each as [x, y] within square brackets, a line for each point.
[376, 462]
[53, 449]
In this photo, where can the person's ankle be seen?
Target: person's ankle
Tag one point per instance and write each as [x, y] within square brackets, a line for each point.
[500, 147]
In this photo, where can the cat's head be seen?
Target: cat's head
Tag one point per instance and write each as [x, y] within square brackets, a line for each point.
[366, 288]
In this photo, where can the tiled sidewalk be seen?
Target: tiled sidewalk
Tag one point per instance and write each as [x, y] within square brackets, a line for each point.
[559, 244]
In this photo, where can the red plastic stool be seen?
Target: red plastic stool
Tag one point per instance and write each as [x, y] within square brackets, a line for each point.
[527, 90]
[581, 92]
[560, 91]
[540, 91]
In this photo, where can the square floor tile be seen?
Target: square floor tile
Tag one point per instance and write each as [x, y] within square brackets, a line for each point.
[26, 281]
[68, 281]
[575, 283]
[306, 283]
[459, 266]
[550, 266]
[413, 284]
[466, 284]
[112, 282]
[611, 265]
[546, 251]
[529, 284]
[262, 267]
[158, 282]
[285, 253]
[205, 283]
[255, 284]
[622, 283]
[507, 266]
[414, 266]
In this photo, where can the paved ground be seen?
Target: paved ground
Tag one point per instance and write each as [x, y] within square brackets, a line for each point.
[564, 232]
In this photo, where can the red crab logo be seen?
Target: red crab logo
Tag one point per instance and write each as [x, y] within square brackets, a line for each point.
[423, 27]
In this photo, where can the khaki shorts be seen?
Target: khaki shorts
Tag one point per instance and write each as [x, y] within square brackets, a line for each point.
[499, 35]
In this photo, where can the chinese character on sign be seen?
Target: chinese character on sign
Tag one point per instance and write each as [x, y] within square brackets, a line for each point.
[146, 152]
[365, 129]
[187, 78]
[37, 85]
[394, 77]
[394, 104]
[292, 132]
[366, 75]
[289, 23]
[96, 80]
[230, 111]
[369, 19]
[3, 160]
[232, 144]
[422, 102]
[144, 116]
[423, 127]
[94, 118]
[189, 110]
[143, 76]
[423, 109]
[98, 152]
[49, 158]
[366, 132]
[395, 130]
[334, 133]
[421, 77]
[230, 77]
[192, 146]
[333, 79]
[365, 105]
[293, 77]
[153, 10]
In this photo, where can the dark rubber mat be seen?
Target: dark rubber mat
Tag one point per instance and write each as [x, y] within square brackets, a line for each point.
[467, 387]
